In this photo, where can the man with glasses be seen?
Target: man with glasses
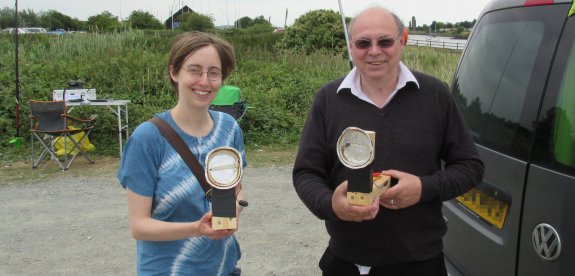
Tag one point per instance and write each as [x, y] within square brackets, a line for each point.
[418, 127]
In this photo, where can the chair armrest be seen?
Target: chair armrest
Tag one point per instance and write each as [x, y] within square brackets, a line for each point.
[78, 120]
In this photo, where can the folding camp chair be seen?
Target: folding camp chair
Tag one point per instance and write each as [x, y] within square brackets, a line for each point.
[229, 101]
[51, 124]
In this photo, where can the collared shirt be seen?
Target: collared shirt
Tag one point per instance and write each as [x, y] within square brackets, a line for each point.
[353, 82]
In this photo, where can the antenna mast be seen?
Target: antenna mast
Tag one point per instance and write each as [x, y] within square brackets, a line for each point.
[16, 68]
[346, 35]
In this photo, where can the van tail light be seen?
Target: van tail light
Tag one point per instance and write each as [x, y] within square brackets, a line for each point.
[537, 2]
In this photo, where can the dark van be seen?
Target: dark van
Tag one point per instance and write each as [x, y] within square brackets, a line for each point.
[515, 85]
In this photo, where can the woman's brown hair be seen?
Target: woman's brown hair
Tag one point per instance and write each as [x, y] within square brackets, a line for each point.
[188, 43]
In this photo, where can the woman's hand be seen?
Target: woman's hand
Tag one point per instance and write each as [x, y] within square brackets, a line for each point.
[144, 227]
[204, 228]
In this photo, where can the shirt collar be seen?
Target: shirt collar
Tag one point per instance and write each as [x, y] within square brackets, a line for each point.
[352, 82]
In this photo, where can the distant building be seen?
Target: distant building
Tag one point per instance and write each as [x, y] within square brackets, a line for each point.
[176, 19]
[225, 27]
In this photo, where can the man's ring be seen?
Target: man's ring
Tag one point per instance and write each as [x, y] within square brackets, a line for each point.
[392, 201]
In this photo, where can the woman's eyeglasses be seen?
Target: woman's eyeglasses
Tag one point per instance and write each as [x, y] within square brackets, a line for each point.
[382, 43]
[196, 71]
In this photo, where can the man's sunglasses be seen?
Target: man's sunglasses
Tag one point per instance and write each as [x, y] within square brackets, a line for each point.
[382, 43]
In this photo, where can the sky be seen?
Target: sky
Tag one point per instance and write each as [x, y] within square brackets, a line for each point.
[225, 12]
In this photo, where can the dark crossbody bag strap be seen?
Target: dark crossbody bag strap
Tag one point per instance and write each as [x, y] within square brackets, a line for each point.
[182, 149]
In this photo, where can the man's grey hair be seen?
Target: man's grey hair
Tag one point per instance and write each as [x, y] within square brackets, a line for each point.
[398, 22]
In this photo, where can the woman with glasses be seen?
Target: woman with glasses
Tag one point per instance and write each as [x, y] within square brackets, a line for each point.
[169, 213]
[417, 126]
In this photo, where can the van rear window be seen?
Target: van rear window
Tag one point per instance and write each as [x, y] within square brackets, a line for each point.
[500, 80]
[564, 125]
[555, 145]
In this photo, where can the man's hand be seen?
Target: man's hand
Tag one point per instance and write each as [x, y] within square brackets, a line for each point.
[348, 212]
[405, 193]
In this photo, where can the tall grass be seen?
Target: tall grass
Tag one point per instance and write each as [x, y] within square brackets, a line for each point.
[440, 63]
[277, 83]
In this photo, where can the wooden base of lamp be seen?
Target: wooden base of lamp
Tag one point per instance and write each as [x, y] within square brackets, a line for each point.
[219, 223]
[380, 185]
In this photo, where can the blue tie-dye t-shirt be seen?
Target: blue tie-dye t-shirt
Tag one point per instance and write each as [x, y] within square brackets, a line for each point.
[151, 167]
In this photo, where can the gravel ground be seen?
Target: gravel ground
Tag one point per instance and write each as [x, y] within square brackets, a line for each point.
[75, 223]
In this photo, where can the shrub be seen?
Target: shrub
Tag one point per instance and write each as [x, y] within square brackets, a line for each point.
[318, 29]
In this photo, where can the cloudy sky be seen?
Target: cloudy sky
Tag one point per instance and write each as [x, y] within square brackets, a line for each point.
[227, 11]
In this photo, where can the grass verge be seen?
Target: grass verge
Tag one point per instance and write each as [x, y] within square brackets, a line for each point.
[21, 172]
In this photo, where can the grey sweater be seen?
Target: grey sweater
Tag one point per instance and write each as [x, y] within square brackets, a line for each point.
[415, 132]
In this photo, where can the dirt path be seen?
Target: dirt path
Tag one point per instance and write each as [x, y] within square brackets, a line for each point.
[75, 223]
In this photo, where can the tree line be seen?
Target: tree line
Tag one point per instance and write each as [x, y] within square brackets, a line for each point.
[106, 21]
[438, 27]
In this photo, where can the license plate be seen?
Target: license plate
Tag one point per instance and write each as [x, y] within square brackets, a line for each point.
[489, 208]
